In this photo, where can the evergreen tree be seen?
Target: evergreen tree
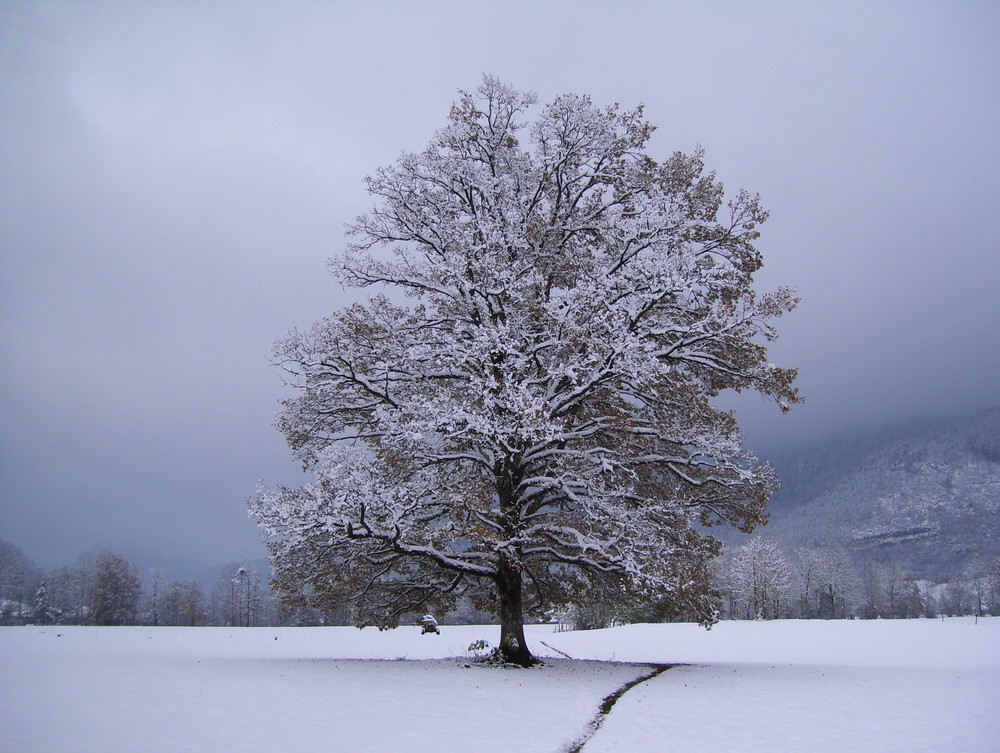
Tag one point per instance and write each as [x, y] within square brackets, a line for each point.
[42, 612]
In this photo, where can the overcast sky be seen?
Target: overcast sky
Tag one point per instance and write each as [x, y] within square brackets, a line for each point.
[173, 177]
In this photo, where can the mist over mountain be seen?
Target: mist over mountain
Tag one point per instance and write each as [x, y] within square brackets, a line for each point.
[924, 495]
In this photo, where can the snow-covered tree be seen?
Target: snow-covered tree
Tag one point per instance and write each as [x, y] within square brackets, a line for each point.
[759, 577]
[184, 603]
[42, 612]
[270, 613]
[237, 596]
[69, 592]
[18, 579]
[829, 583]
[898, 588]
[115, 599]
[879, 587]
[956, 596]
[994, 587]
[191, 603]
[978, 587]
[154, 594]
[223, 599]
[538, 418]
[248, 594]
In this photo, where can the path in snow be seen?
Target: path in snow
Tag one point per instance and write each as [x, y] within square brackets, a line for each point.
[892, 686]
[250, 690]
[608, 704]
[779, 687]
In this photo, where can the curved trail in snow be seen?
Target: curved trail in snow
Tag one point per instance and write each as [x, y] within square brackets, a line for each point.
[608, 703]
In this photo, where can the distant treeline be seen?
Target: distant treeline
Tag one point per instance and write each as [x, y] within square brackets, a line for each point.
[107, 589]
[758, 581]
[754, 581]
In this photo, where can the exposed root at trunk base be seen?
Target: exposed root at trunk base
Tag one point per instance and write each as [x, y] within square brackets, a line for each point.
[608, 703]
[497, 658]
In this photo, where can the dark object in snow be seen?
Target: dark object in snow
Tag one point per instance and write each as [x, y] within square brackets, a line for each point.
[429, 625]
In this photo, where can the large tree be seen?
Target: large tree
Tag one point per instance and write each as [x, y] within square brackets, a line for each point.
[536, 421]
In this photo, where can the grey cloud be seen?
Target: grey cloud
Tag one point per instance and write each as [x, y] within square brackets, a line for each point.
[174, 176]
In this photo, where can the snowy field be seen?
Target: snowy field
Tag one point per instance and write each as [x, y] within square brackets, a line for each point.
[913, 685]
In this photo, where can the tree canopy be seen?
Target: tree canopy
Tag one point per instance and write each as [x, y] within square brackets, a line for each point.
[534, 417]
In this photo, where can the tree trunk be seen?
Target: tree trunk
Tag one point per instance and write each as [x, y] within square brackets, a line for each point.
[513, 647]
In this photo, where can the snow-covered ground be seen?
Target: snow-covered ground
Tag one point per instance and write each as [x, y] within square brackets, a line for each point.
[915, 685]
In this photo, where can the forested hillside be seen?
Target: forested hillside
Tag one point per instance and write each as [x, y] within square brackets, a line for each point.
[925, 497]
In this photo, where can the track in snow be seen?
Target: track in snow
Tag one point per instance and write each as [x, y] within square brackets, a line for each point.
[608, 703]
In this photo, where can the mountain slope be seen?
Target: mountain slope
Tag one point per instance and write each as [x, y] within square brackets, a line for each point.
[928, 500]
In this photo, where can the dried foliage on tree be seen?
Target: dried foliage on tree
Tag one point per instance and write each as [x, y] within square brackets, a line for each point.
[116, 590]
[537, 420]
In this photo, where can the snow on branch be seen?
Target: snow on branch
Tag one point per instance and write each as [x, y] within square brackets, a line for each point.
[541, 410]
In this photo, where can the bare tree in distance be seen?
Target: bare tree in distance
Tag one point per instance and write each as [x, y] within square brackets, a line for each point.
[537, 420]
[760, 577]
[115, 599]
